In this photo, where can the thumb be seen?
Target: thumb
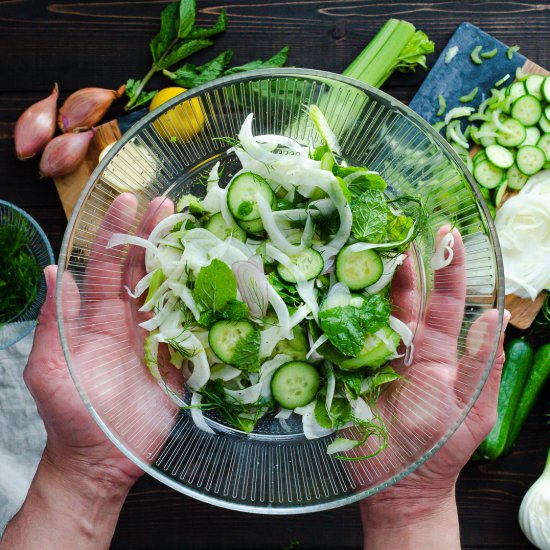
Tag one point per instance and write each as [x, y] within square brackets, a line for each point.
[47, 319]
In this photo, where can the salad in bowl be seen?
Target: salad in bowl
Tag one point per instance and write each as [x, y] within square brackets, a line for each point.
[272, 293]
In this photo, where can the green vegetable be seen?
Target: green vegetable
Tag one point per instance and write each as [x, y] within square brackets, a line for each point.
[20, 273]
[190, 75]
[451, 54]
[538, 377]
[474, 55]
[242, 415]
[502, 80]
[215, 286]
[519, 357]
[346, 326]
[277, 60]
[287, 291]
[396, 46]
[511, 51]
[352, 381]
[177, 39]
[468, 97]
[339, 415]
[442, 105]
[247, 353]
[370, 214]
[381, 377]
[365, 182]
[157, 279]
[234, 310]
[490, 54]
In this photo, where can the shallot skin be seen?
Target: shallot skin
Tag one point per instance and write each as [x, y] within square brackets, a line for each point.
[64, 153]
[36, 126]
[86, 107]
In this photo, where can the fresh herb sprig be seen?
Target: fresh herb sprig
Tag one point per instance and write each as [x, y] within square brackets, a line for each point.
[178, 38]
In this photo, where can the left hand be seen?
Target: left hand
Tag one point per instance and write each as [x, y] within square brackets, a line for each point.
[75, 444]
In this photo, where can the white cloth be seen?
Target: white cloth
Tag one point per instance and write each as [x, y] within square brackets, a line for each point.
[22, 434]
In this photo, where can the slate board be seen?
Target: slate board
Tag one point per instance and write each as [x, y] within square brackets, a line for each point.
[460, 76]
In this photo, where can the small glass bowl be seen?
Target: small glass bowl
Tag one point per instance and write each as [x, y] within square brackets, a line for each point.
[24, 322]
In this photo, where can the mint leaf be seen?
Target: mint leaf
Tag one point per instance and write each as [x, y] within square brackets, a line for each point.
[215, 286]
[182, 50]
[287, 291]
[168, 31]
[340, 412]
[186, 20]
[370, 216]
[375, 312]
[218, 27]
[363, 182]
[351, 380]
[278, 60]
[143, 97]
[190, 75]
[234, 310]
[247, 353]
[346, 326]
[383, 376]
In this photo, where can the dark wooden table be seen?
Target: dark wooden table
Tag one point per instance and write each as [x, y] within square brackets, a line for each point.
[78, 44]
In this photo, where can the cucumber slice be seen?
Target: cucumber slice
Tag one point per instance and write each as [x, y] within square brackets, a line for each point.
[499, 156]
[530, 159]
[309, 262]
[516, 180]
[513, 135]
[295, 384]
[375, 351]
[489, 129]
[527, 109]
[547, 112]
[487, 174]
[532, 136]
[297, 348]
[533, 85]
[216, 225]
[253, 226]
[545, 88]
[544, 144]
[479, 156]
[225, 335]
[241, 196]
[515, 90]
[499, 195]
[544, 124]
[358, 269]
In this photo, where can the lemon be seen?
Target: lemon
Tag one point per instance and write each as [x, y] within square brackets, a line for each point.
[182, 122]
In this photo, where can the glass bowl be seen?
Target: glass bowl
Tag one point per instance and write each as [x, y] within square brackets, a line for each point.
[273, 471]
[23, 323]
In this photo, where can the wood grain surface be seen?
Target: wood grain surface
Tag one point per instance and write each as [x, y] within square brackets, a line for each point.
[102, 44]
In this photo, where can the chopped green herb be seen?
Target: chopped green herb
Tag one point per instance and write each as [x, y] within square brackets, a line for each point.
[19, 270]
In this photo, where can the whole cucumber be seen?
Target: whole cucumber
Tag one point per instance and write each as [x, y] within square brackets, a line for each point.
[535, 383]
[519, 358]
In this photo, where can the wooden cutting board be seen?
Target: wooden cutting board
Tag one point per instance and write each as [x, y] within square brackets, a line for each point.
[457, 78]
[451, 80]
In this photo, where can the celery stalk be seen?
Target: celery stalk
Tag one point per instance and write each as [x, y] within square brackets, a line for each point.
[396, 46]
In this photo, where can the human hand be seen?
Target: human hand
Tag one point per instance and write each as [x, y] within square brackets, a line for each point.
[428, 492]
[95, 316]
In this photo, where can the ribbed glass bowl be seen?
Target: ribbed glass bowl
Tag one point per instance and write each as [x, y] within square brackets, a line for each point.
[24, 321]
[272, 471]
